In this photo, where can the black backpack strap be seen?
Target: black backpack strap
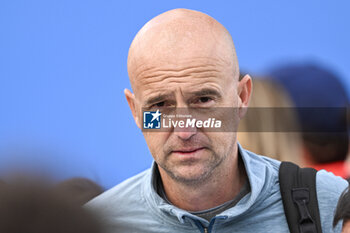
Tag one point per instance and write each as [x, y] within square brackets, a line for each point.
[298, 191]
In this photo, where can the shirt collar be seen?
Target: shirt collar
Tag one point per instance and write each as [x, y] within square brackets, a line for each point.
[260, 180]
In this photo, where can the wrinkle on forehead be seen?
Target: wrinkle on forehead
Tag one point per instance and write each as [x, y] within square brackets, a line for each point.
[173, 85]
[191, 74]
[193, 66]
[178, 36]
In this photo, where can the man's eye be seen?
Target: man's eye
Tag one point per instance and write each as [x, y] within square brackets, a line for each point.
[160, 104]
[204, 99]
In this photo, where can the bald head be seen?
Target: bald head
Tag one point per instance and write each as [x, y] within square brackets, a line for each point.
[178, 36]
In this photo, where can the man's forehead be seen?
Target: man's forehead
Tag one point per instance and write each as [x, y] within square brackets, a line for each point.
[162, 52]
[184, 75]
[179, 66]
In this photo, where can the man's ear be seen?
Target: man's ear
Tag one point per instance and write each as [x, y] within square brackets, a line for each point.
[130, 97]
[245, 87]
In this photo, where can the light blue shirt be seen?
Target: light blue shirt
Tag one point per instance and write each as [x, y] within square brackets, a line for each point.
[135, 206]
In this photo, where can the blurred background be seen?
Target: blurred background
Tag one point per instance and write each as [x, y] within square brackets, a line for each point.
[63, 71]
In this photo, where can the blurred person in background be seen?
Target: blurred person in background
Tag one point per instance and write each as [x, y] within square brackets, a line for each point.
[321, 103]
[79, 190]
[260, 130]
[343, 212]
[34, 208]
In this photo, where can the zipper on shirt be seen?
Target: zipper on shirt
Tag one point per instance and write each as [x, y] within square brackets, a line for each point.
[211, 224]
[200, 227]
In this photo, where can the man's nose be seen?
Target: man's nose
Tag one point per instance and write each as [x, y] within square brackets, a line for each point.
[185, 133]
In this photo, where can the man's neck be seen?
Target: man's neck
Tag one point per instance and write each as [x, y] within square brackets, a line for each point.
[222, 186]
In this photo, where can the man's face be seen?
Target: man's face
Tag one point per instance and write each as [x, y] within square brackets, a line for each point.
[188, 155]
[186, 59]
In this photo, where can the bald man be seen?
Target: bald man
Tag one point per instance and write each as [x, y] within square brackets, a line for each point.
[201, 180]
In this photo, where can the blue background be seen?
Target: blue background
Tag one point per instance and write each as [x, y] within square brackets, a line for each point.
[63, 71]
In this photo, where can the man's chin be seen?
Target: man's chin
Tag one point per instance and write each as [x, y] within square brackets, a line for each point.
[189, 176]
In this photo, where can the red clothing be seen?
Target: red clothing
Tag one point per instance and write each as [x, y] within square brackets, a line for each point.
[337, 168]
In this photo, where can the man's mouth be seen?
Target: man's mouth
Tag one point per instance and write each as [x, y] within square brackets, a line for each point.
[188, 151]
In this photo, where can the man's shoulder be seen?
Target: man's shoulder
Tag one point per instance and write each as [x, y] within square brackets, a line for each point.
[328, 182]
[122, 194]
[125, 207]
[329, 188]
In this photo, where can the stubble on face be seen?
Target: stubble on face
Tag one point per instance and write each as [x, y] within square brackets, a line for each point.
[192, 171]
